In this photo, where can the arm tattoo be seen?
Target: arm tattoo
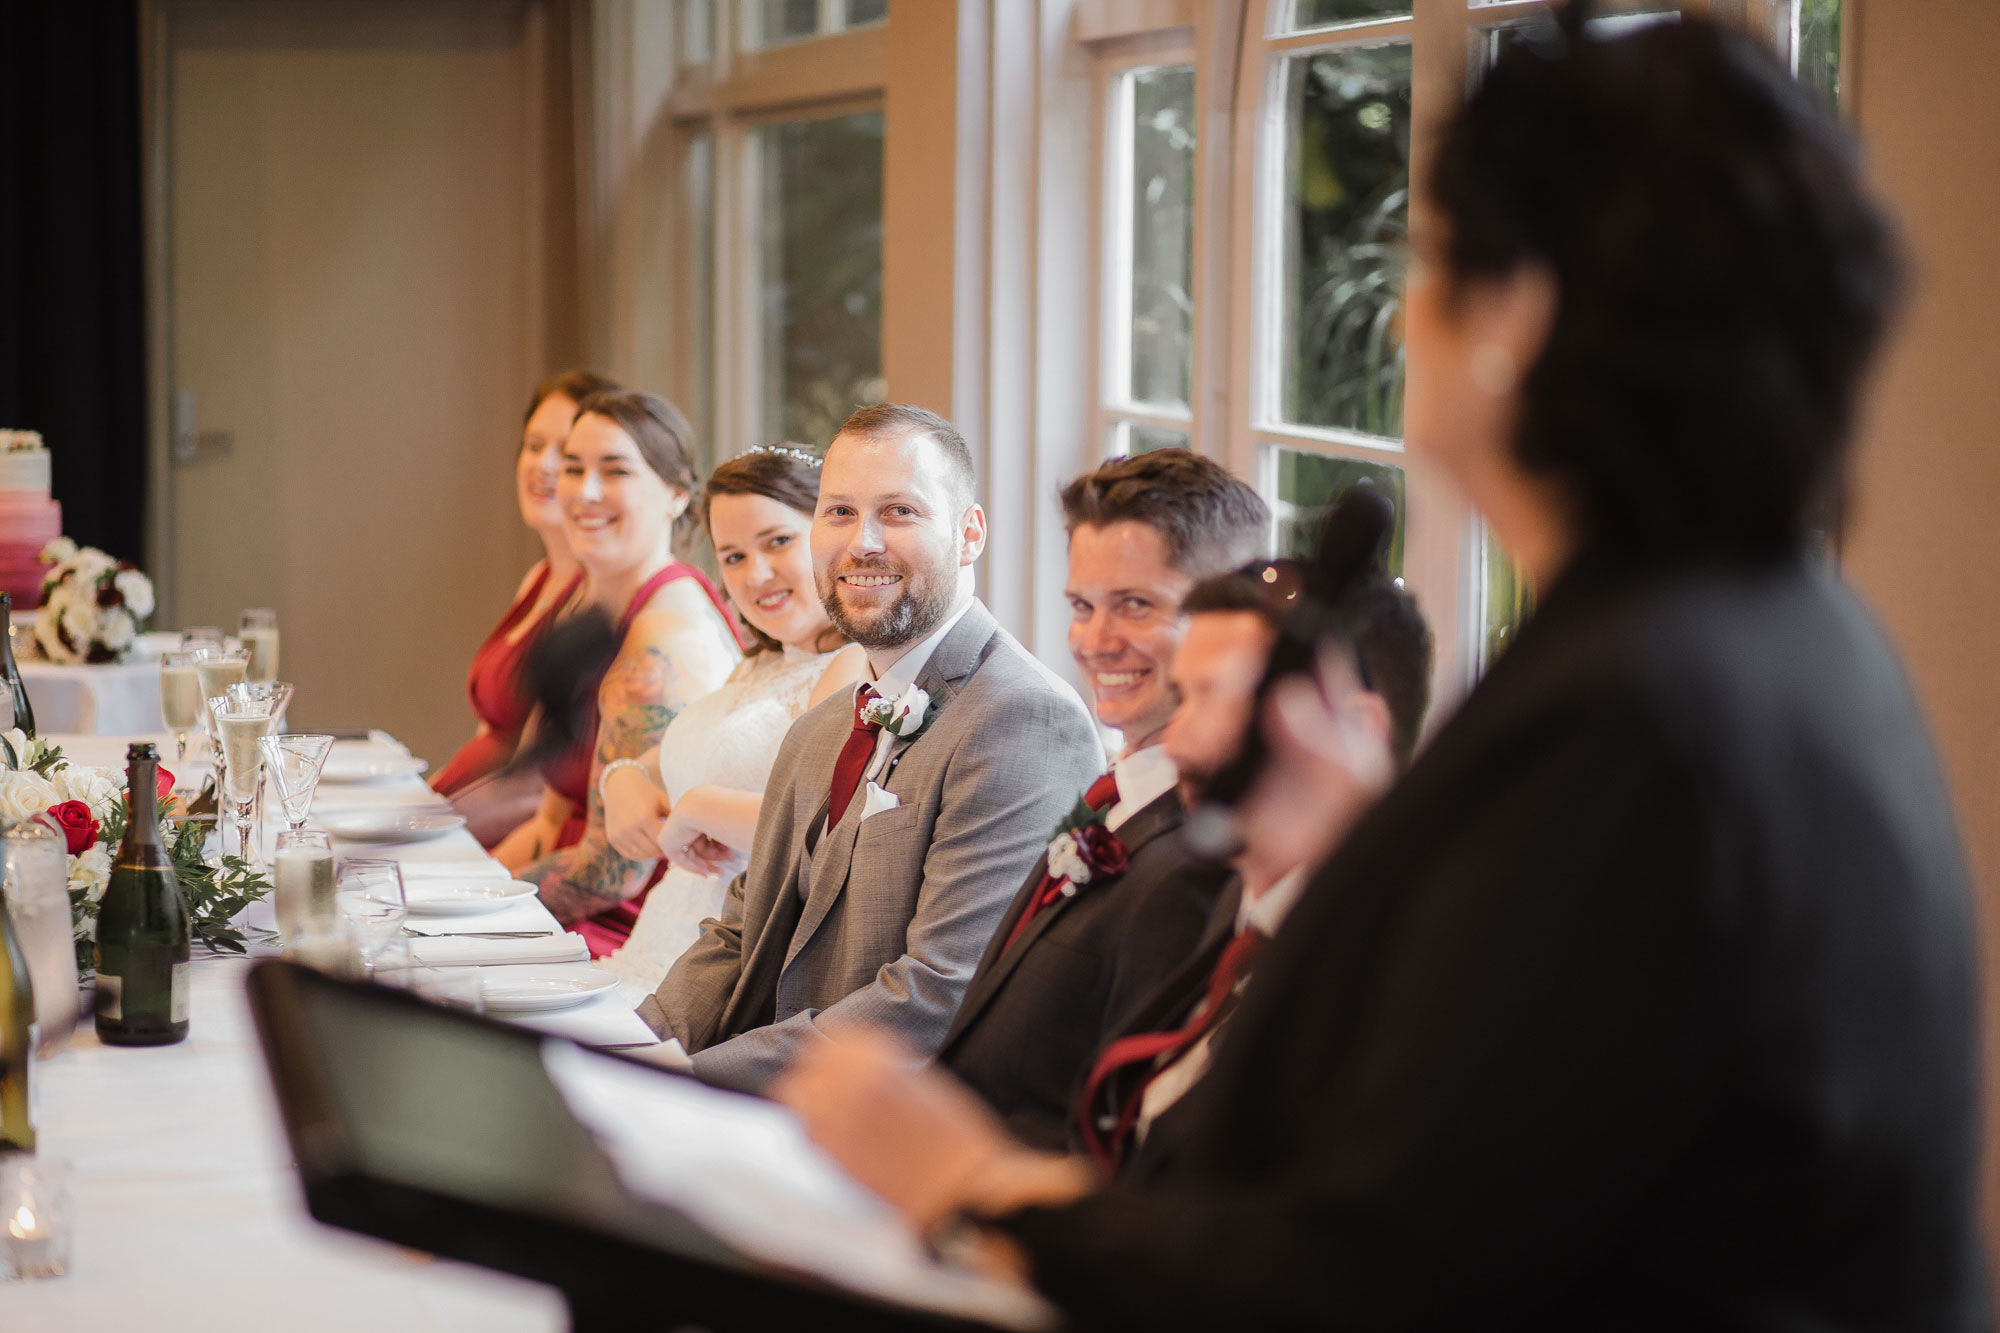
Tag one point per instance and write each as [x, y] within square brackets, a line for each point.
[641, 694]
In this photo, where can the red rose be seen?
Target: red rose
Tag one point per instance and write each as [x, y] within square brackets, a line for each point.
[78, 826]
[108, 595]
[1102, 850]
[164, 781]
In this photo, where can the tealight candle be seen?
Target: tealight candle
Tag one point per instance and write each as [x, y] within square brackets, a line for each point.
[34, 1216]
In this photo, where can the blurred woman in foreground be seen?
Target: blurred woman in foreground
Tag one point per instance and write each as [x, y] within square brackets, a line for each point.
[497, 804]
[1646, 999]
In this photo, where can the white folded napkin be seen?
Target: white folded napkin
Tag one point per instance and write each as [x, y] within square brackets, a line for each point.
[464, 951]
[479, 870]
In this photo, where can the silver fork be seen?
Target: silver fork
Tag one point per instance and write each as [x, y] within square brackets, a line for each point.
[480, 934]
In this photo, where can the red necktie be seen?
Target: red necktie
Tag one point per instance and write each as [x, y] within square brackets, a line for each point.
[854, 756]
[1162, 1048]
[1103, 794]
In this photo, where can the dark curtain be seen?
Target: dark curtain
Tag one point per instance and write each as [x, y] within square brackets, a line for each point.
[72, 287]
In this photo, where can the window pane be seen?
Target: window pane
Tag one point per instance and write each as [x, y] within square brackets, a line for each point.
[1818, 52]
[697, 27]
[1326, 13]
[1346, 216]
[862, 12]
[1308, 485]
[1160, 322]
[1129, 437]
[783, 20]
[1507, 598]
[821, 232]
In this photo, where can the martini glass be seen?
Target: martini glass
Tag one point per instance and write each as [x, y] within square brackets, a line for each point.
[294, 762]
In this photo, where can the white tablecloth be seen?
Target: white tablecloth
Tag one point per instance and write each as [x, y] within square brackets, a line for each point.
[187, 1214]
[116, 699]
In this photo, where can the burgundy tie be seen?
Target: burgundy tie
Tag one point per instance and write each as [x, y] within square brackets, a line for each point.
[1103, 794]
[1162, 1049]
[854, 756]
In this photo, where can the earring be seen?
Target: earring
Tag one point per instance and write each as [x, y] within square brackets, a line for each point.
[1494, 370]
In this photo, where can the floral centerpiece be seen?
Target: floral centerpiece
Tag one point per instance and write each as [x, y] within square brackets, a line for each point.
[89, 806]
[93, 606]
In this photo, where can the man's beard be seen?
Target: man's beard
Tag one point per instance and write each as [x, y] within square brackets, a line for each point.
[924, 603]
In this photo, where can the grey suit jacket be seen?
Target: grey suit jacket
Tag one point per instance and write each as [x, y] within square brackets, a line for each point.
[884, 921]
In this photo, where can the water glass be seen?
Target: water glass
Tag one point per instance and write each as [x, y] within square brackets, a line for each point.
[294, 762]
[302, 881]
[370, 893]
[34, 1216]
[259, 635]
[36, 887]
[326, 944]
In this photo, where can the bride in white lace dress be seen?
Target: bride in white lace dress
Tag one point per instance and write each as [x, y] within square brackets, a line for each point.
[696, 796]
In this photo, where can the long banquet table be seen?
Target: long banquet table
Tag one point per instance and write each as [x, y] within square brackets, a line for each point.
[186, 1213]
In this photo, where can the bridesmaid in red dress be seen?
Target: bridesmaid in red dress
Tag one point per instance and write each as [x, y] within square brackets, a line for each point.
[493, 804]
[626, 487]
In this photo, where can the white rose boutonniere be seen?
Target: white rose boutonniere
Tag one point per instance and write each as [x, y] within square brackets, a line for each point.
[905, 716]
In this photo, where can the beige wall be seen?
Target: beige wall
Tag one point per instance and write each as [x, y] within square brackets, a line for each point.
[1925, 545]
[358, 239]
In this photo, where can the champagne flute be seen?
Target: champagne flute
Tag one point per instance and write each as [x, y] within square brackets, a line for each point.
[294, 762]
[370, 893]
[216, 669]
[302, 881]
[180, 704]
[259, 634]
[239, 724]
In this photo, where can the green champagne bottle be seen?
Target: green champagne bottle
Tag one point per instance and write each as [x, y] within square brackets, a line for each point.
[142, 926]
[10, 674]
[19, 1036]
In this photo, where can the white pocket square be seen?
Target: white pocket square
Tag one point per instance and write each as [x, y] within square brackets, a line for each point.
[878, 800]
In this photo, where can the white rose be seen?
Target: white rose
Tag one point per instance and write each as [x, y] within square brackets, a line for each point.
[98, 788]
[116, 629]
[19, 740]
[1065, 861]
[25, 793]
[90, 870]
[59, 550]
[137, 590]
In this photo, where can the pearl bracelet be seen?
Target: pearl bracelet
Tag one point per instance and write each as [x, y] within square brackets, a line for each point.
[613, 767]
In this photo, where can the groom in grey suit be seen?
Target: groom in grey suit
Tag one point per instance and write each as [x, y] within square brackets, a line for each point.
[899, 819]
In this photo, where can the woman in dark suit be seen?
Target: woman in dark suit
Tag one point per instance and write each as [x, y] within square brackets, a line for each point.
[1646, 999]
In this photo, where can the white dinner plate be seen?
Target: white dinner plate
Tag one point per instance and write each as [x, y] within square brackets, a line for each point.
[369, 764]
[396, 824]
[529, 991]
[429, 897]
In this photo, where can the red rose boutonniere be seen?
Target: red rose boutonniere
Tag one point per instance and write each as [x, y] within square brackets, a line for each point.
[1084, 849]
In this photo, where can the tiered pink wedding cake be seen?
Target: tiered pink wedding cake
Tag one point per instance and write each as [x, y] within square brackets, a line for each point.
[29, 518]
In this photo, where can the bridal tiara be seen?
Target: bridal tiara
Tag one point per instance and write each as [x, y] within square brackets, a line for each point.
[805, 456]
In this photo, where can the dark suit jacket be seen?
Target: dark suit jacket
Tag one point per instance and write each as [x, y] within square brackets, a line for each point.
[1166, 1007]
[1034, 1016]
[1644, 1002]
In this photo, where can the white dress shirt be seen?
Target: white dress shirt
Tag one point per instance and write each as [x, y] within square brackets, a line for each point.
[894, 680]
[1143, 777]
[1263, 914]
